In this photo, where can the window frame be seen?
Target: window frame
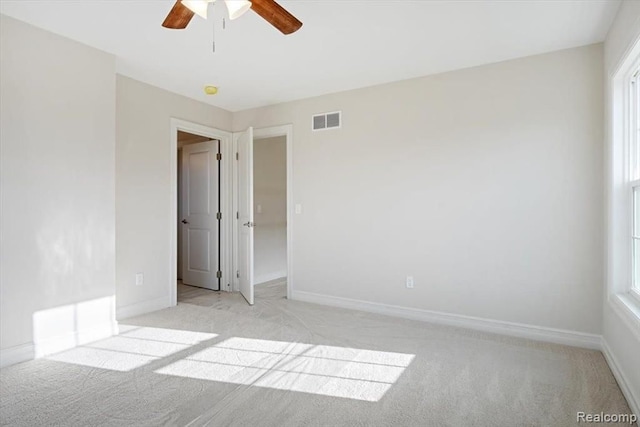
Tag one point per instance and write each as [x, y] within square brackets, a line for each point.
[632, 137]
[621, 290]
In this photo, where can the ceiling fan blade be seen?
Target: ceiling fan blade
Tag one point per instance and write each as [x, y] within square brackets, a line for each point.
[178, 17]
[276, 15]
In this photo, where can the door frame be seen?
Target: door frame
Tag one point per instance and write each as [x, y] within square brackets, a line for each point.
[226, 192]
[261, 133]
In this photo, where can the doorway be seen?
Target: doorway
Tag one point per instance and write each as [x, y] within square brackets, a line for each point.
[263, 189]
[270, 214]
[231, 183]
[218, 262]
[199, 211]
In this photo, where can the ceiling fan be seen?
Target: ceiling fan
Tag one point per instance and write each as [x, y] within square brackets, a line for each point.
[183, 10]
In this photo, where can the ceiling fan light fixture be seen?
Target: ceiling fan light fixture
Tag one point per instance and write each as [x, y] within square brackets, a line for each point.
[199, 7]
[237, 8]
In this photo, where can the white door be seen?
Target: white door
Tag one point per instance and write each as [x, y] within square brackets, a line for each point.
[199, 210]
[245, 214]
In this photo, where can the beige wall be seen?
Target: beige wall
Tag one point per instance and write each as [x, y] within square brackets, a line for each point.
[57, 184]
[484, 184]
[621, 340]
[270, 192]
[143, 157]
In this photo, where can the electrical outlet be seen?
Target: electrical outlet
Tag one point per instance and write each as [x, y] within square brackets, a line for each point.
[409, 282]
[139, 279]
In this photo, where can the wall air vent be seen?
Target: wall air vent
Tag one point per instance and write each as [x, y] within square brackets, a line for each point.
[327, 121]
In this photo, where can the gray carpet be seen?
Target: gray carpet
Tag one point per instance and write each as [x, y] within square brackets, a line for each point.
[213, 360]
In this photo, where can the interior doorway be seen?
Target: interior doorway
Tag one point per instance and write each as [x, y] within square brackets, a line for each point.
[199, 246]
[237, 212]
[270, 214]
[215, 163]
[263, 229]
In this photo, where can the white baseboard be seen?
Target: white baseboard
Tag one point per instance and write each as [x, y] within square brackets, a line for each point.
[20, 353]
[58, 343]
[142, 308]
[632, 398]
[263, 278]
[538, 333]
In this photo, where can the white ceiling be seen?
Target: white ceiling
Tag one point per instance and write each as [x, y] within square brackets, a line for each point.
[343, 44]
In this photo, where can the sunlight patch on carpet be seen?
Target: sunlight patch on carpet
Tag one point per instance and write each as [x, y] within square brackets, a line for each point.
[319, 369]
[133, 348]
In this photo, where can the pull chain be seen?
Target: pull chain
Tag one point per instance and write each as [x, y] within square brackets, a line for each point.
[213, 27]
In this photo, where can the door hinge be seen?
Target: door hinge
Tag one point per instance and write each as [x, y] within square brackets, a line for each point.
[219, 156]
[238, 274]
[237, 215]
[237, 156]
[219, 216]
[219, 274]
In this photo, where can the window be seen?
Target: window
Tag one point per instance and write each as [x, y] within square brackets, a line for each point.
[623, 195]
[633, 129]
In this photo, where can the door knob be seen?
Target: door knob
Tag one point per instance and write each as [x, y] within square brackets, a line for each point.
[249, 224]
[184, 221]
